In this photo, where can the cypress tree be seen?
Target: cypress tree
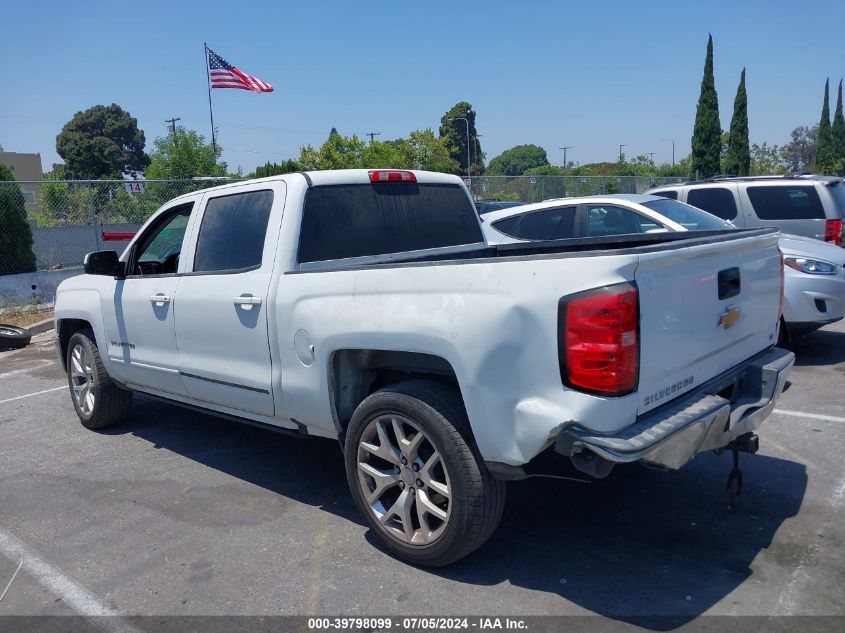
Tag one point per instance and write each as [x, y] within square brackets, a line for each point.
[837, 132]
[707, 132]
[16, 254]
[824, 149]
[738, 158]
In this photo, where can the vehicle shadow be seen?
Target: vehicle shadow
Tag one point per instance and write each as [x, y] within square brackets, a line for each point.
[309, 470]
[651, 548]
[822, 347]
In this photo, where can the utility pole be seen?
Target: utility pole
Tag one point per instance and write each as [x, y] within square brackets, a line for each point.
[673, 148]
[173, 124]
[620, 151]
[564, 148]
[372, 135]
[469, 172]
[651, 156]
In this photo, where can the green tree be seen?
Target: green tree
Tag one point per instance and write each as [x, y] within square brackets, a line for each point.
[706, 135]
[800, 153]
[102, 142]
[431, 153]
[274, 169]
[825, 159]
[767, 160]
[517, 160]
[184, 154]
[737, 161]
[837, 134]
[454, 130]
[16, 254]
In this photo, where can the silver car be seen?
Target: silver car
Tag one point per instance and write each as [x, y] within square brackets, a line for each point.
[814, 271]
[812, 206]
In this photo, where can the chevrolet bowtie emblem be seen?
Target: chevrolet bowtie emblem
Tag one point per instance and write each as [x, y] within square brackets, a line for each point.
[729, 317]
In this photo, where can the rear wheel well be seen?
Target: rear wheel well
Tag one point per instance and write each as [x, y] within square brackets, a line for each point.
[66, 328]
[357, 373]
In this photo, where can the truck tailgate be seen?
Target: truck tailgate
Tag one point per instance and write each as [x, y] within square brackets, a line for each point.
[703, 309]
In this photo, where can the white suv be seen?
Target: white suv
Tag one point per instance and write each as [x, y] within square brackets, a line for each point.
[811, 206]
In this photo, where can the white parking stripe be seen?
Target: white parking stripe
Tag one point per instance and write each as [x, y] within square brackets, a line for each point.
[74, 595]
[29, 395]
[812, 416]
[25, 370]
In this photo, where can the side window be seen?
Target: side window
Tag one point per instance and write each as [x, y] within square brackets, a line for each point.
[549, 224]
[232, 232]
[157, 252]
[610, 220]
[715, 200]
[786, 203]
[673, 195]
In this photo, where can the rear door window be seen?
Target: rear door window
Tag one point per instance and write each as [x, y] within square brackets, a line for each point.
[341, 221]
[548, 224]
[799, 202]
[612, 220]
[232, 232]
[718, 201]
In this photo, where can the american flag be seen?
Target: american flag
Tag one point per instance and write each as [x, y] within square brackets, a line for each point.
[224, 75]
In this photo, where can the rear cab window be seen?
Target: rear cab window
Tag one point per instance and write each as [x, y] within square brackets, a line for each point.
[357, 220]
[782, 202]
[672, 195]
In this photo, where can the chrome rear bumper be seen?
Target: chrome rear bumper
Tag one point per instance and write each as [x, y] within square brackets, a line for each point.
[700, 421]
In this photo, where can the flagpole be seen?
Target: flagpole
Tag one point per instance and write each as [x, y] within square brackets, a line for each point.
[210, 111]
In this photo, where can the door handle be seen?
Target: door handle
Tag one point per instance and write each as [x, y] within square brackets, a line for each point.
[247, 301]
[160, 299]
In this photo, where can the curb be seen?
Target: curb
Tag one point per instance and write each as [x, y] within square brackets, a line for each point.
[41, 326]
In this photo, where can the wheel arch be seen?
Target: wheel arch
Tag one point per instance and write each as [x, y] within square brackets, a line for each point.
[65, 329]
[354, 374]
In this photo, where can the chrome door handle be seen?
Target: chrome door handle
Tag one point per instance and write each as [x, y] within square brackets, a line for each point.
[160, 300]
[247, 301]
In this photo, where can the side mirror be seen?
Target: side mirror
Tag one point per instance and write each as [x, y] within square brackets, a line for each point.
[104, 263]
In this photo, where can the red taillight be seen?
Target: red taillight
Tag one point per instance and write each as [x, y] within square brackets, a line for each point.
[117, 236]
[833, 231]
[392, 175]
[598, 340]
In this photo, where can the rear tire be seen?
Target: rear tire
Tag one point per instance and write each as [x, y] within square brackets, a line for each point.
[417, 477]
[98, 400]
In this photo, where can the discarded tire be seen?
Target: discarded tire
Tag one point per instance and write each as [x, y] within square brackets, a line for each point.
[13, 337]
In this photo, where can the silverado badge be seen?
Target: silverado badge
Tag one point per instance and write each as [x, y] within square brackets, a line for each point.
[729, 317]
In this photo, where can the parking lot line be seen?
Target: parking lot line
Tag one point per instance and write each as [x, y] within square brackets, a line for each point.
[29, 395]
[812, 416]
[74, 595]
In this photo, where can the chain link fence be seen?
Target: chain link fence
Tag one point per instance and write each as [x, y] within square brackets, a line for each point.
[537, 188]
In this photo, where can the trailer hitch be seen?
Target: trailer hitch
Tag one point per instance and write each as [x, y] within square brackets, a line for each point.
[748, 443]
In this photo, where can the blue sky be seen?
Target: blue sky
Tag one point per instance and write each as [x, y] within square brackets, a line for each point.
[590, 74]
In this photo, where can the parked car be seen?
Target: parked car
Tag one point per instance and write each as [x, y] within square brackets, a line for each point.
[814, 284]
[365, 306]
[811, 206]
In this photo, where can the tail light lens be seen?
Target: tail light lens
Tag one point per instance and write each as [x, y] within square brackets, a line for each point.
[598, 340]
[833, 231]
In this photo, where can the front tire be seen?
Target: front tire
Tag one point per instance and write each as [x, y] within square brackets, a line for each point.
[98, 400]
[416, 476]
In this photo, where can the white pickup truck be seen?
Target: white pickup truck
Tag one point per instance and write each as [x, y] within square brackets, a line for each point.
[366, 306]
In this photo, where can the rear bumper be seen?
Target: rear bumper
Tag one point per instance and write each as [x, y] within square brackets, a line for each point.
[709, 418]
